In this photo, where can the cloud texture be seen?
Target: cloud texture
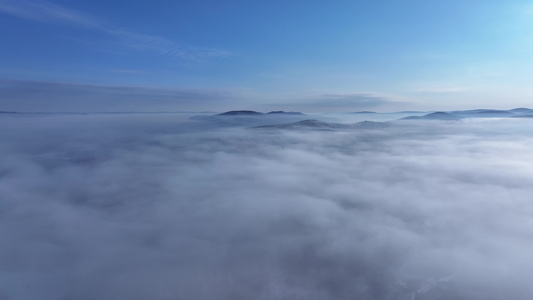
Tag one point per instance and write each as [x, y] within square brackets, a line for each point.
[143, 207]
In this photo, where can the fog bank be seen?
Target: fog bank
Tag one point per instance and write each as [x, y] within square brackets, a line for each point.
[146, 207]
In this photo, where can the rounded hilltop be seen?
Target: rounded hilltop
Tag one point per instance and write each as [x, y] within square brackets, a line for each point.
[255, 113]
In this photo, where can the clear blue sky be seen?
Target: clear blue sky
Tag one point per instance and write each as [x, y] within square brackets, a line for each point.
[335, 55]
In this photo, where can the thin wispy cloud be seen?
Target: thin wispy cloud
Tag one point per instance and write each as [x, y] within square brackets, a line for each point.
[339, 102]
[358, 99]
[126, 71]
[44, 11]
[442, 90]
[165, 46]
[35, 96]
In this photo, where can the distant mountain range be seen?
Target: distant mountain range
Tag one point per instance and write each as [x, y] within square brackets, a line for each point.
[315, 124]
[255, 113]
[299, 121]
[364, 112]
[440, 115]
[475, 113]
[250, 118]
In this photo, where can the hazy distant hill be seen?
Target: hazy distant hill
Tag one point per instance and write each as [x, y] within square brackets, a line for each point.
[315, 124]
[522, 111]
[475, 113]
[440, 115]
[364, 112]
[280, 112]
[249, 118]
[483, 113]
[240, 113]
[255, 113]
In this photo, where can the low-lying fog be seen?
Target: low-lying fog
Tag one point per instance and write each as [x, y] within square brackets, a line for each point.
[106, 207]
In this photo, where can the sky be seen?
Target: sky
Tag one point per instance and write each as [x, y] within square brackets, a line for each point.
[208, 55]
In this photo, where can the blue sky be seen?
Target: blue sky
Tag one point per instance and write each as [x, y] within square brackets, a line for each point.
[333, 55]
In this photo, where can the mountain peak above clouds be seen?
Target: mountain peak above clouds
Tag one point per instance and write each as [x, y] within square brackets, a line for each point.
[281, 112]
[320, 125]
[256, 113]
[240, 113]
[439, 115]
[475, 113]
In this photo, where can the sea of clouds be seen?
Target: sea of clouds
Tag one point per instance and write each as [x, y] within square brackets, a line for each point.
[157, 207]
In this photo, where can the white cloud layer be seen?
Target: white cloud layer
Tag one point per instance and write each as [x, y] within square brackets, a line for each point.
[144, 207]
